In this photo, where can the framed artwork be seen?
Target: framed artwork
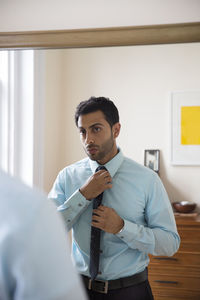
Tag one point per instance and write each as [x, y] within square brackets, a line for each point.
[152, 159]
[185, 128]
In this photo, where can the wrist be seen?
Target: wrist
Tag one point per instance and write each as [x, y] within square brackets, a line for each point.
[83, 194]
[121, 227]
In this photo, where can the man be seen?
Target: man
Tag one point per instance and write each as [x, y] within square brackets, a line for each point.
[35, 263]
[135, 217]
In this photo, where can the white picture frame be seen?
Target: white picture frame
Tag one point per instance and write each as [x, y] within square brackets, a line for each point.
[182, 154]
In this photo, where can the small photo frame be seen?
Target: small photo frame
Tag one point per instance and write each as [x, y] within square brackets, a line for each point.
[152, 159]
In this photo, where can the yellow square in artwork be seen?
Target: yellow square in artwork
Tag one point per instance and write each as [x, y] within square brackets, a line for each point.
[190, 125]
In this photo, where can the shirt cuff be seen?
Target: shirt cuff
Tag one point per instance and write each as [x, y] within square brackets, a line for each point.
[137, 237]
[124, 233]
[73, 207]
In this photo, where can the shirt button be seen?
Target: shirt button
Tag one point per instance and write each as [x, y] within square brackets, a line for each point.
[80, 204]
[99, 272]
[122, 236]
[68, 220]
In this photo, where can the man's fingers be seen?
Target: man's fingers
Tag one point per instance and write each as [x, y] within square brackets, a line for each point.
[97, 225]
[100, 207]
[96, 218]
[102, 173]
[99, 211]
[108, 186]
[103, 177]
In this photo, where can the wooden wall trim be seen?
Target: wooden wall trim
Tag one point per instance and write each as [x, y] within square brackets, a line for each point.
[102, 37]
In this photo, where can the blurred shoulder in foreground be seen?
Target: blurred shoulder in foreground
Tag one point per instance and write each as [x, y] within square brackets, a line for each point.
[35, 260]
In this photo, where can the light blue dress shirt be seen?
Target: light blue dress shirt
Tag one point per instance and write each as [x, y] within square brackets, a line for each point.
[138, 196]
[35, 261]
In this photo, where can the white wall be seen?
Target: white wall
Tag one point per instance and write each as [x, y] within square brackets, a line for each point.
[22, 15]
[53, 114]
[138, 79]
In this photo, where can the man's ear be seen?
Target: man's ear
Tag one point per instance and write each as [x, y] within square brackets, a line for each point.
[116, 130]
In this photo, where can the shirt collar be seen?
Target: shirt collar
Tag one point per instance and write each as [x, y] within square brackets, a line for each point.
[112, 165]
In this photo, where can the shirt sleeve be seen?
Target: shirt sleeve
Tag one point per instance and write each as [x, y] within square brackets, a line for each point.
[70, 204]
[159, 235]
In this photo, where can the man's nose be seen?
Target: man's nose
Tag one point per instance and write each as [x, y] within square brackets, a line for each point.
[89, 139]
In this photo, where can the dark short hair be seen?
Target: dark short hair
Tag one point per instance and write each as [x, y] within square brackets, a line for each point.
[103, 104]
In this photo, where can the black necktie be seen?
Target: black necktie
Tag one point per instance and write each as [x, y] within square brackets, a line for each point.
[95, 238]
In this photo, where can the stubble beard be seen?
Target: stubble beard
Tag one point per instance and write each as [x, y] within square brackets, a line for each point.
[103, 150]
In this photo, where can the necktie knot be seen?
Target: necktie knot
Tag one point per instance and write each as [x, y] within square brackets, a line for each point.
[100, 168]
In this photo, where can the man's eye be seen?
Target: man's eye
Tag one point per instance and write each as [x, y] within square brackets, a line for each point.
[82, 131]
[96, 129]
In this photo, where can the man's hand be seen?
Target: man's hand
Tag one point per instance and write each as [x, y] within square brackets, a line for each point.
[96, 184]
[106, 219]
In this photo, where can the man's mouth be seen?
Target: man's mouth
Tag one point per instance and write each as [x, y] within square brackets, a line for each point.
[92, 150]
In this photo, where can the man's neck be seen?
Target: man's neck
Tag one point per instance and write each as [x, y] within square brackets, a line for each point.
[109, 158]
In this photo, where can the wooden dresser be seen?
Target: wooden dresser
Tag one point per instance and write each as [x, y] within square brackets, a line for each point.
[178, 277]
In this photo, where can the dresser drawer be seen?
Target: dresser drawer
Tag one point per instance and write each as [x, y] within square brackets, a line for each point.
[189, 247]
[174, 294]
[190, 239]
[174, 272]
[179, 259]
[168, 282]
[190, 234]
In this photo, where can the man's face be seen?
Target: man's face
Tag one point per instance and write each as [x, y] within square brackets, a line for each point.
[97, 137]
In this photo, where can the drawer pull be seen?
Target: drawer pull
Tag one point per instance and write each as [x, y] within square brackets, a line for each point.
[166, 281]
[165, 258]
